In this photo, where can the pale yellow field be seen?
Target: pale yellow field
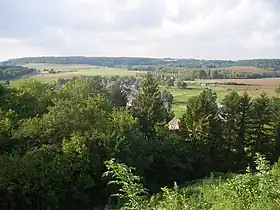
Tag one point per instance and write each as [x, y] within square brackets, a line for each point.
[67, 71]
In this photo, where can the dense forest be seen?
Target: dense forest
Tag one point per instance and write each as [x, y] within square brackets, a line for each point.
[78, 146]
[13, 72]
[147, 63]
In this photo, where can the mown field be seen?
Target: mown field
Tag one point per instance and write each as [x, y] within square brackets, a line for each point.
[68, 71]
[254, 87]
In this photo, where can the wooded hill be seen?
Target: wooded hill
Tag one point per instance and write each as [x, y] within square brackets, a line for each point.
[138, 61]
[13, 72]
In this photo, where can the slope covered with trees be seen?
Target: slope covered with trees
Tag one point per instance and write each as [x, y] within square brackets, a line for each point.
[261, 63]
[122, 61]
[60, 147]
[129, 62]
[12, 72]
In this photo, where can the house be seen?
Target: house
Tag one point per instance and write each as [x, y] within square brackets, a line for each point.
[131, 99]
[131, 96]
[220, 105]
[173, 124]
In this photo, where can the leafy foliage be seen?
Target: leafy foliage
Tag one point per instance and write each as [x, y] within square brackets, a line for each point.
[57, 142]
[131, 192]
[11, 72]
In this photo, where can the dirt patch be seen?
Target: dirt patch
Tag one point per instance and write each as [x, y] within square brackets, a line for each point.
[262, 83]
[245, 69]
[55, 76]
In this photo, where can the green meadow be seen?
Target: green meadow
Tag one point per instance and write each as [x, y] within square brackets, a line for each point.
[181, 96]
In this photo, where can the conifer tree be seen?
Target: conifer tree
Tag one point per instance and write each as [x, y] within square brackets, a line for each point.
[275, 123]
[149, 107]
[242, 123]
[229, 115]
[261, 130]
[200, 126]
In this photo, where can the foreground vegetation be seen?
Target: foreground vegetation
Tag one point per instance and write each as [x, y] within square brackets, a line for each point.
[72, 148]
[252, 190]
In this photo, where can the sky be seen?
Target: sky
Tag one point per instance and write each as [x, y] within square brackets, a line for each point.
[203, 29]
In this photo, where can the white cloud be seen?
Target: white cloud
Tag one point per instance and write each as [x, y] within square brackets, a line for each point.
[232, 29]
[16, 48]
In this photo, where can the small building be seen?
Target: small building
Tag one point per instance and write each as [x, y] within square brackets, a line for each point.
[130, 100]
[220, 105]
[173, 124]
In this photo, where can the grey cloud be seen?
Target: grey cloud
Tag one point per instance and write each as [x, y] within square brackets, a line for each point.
[148, 14]
[199, 28]
[26, 18]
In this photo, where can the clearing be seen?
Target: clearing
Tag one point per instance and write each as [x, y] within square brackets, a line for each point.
[254, 87]
[69, 70]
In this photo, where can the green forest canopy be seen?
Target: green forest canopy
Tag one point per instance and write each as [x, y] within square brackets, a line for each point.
[59, 148]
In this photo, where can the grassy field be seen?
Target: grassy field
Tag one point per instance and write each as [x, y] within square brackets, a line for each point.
[42, 66]
[67, 71]
[254, 87]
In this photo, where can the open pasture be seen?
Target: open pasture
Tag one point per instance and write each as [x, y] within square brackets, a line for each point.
[265, 83]
[42, 66]
[254, 87]
[69, 70]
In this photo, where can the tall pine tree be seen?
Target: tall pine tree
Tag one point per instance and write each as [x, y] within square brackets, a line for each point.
[243, 123]
[235, 123]
[261, 130]
[201, 127]
[229, 114]
[275, 123]
[149, 107]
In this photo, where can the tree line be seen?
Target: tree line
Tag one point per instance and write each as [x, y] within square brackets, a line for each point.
[192, 74]
[56, 143]
[12, 72]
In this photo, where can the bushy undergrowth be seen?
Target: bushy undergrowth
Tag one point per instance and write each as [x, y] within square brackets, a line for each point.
[257, 191]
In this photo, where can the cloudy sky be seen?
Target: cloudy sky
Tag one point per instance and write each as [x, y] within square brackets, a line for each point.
[211, 29]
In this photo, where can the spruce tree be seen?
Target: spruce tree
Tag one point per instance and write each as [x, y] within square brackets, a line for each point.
[229, 114]
[200, 126]
[235, 121]
[243, 122]
[275, 123]
[149, 107]
[261, 130]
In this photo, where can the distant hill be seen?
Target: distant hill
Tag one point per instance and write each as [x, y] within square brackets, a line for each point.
[133, 62]
[261, 63]
[123, 62]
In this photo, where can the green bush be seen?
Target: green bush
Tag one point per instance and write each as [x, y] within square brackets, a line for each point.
[259, 190]
[42, 179]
